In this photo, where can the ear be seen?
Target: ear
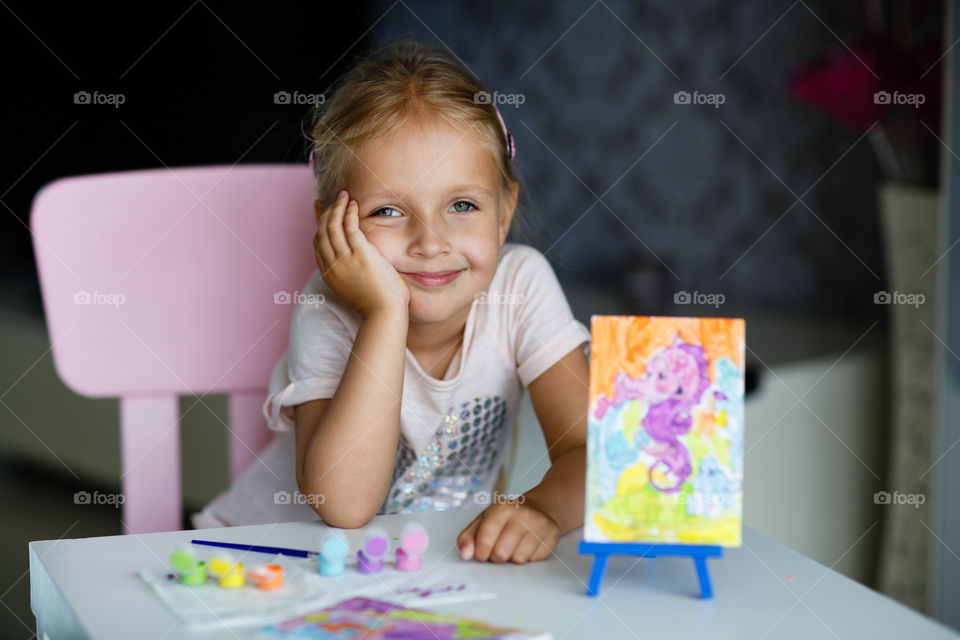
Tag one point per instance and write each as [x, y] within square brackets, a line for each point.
[509, 206]
[318, 207]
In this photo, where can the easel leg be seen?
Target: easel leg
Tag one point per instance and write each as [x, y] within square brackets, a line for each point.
[706, 591]
[599, 567]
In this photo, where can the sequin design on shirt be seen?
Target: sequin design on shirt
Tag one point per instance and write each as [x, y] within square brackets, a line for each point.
[456, 462]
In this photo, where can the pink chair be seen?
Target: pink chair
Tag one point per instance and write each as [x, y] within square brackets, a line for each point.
[173, 281]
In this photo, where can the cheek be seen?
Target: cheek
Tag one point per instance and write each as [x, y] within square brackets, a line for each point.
[481, 245]
[483, 257]
[380, 237]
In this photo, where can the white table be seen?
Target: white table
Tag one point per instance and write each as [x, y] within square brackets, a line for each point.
[89, 588]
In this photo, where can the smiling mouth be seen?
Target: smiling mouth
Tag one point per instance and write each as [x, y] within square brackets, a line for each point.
[433, 278]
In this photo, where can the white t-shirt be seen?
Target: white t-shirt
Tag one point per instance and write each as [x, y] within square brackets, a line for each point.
[454, 432]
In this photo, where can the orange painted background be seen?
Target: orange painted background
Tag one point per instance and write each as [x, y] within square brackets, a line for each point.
[625, 343]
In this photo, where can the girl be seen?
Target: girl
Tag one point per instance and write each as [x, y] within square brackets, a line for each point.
[415, 337]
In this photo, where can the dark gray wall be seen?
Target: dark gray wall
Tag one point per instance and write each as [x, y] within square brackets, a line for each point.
[598, 82]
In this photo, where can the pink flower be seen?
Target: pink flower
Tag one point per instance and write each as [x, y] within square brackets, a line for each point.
[842, 85]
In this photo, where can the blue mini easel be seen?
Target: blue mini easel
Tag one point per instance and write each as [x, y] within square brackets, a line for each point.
[602, 550]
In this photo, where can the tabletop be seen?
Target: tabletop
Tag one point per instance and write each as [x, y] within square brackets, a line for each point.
[90, 588]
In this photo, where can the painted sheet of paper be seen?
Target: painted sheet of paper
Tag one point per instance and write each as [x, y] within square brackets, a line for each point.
[209, 606]
[370, 619]
[665, 430]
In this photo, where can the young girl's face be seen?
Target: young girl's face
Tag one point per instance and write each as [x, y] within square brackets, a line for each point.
[430, 201]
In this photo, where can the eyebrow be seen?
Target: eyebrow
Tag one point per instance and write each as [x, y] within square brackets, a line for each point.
[454, 189]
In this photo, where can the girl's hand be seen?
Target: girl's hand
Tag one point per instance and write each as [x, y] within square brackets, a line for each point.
[510, 531]
[355, 269]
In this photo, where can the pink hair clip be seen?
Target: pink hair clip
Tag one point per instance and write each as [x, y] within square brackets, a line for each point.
[511, 145]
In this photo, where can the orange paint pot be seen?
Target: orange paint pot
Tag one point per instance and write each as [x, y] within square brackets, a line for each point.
[266, 576]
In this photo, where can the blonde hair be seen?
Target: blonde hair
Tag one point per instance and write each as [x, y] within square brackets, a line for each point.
[382, 91]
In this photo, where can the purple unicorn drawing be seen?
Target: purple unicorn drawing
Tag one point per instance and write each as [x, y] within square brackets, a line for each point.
[673, 383]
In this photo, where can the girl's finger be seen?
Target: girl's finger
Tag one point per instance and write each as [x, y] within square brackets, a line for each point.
[472, 526]
[351, 225]
[467, 539]
[542, 552]
[323, 233]
[488, 533]
[335, 226]
[509, 540]
[322, 243]
[321, 261]
[525, 550]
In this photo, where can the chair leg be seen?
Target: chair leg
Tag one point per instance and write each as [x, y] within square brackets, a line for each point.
[249, 433]
[150, 452]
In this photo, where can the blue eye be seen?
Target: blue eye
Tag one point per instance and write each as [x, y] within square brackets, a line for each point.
[469, 204]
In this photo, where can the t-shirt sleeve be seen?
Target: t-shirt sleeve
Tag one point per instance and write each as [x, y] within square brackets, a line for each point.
[311, 369]
[544, 327]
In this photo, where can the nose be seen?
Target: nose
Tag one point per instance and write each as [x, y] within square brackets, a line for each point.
[428, 237]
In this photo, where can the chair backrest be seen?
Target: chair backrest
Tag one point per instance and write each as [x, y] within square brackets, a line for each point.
[164, 282]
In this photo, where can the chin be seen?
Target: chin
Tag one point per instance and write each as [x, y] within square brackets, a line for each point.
[428, 311]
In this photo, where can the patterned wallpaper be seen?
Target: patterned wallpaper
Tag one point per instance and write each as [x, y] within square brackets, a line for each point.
[701, 196]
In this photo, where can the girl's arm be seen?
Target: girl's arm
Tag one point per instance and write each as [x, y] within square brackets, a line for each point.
[345, 458]
[528, 530]
[560, 397]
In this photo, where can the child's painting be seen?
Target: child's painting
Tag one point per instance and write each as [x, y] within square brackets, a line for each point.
[370, 619]
[665, 430]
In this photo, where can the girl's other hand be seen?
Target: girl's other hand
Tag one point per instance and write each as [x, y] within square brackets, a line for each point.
[354, 268]
[512, 531]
